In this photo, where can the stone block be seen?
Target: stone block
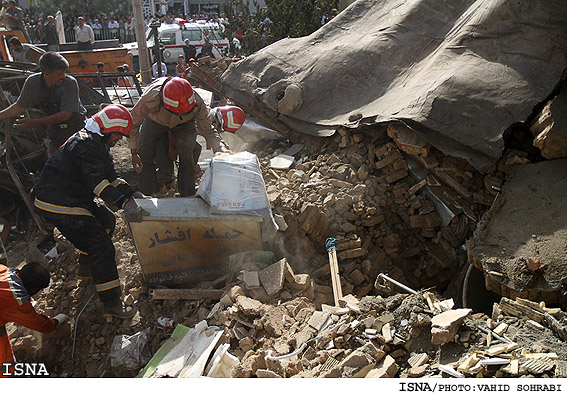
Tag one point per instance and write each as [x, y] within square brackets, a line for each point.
[340, 184]
[357, 277]
[351, 254]
[260, 294]
[358, 363]
[416, 221]
[390, 159]
[363, 172]
[396, 175]
[400, 165]
[349, 244]
[407, 140]
[274, 321]
[246, 344]
[266, 373]
[288, 272]
[372, 221]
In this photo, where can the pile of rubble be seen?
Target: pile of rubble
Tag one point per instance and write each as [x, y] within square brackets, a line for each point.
[375, 186]
[214, 67]
[363, 189]
[403, 335]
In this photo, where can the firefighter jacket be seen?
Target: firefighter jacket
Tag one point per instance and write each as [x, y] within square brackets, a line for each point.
[76, 173]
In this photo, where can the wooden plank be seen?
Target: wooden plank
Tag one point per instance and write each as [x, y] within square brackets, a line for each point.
[335, 278]
[186, 294]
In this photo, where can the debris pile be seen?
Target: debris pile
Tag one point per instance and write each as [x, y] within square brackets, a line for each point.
[362, 189]
[376, 192]
[402, 335]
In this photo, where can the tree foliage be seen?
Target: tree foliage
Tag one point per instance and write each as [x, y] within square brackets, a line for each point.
[279, 19]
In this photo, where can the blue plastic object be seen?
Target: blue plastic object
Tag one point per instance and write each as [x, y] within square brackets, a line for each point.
[331, 243]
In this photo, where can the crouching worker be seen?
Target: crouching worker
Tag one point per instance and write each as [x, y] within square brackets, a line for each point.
[74, 175]
[16, 289]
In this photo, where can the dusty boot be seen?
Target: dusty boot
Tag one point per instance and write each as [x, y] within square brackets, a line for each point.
[116, 308]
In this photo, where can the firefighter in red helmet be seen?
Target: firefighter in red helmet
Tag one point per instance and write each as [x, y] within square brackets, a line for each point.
[170, 105]
[80, 170]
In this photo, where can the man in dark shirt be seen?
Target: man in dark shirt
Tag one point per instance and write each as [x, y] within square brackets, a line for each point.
[57, 95]
[189, 50]
[50, 36]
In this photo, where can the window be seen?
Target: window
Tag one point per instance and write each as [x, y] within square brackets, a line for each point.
[192, 35]
[167, 38]
[214, 34]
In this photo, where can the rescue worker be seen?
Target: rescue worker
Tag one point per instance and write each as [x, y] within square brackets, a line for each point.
[57, 95]
[20, 51]
[170, 104]
[17, 286]
[76, 173]
[226, 118]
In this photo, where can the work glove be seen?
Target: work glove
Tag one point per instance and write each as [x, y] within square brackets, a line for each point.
[60, 318]
[133, 212]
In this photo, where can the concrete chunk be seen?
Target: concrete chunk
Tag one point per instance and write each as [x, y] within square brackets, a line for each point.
[301, 282]
[318, 319]
[248, 306]
[266, 373]
[250, 279]
[234, 292]
[445, 325]
[272, 277]
[386, 368]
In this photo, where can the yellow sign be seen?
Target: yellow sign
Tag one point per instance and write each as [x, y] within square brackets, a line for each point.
[174, 252]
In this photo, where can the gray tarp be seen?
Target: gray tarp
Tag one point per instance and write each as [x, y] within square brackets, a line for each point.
[459, 72]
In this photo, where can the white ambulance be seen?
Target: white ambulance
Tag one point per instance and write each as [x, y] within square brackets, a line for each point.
[172, 39]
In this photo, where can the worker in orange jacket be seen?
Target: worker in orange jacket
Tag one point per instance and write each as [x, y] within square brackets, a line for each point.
[16, 289]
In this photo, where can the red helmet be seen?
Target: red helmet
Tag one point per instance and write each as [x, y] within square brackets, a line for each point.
[177, 95]
[114, 118]
[230, 117]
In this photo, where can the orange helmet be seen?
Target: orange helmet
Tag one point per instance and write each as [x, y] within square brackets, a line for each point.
[177, 95]
[231, 118]
[114, 118]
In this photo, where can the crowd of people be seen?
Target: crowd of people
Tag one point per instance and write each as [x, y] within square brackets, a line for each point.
[35, 24]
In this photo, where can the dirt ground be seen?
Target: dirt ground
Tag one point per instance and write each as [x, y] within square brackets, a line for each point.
[524, 236]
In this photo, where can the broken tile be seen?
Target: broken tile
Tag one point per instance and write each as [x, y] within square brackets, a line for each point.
[386, 368]
[418, 359]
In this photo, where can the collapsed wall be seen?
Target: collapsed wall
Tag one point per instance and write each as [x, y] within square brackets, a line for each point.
[402, 207]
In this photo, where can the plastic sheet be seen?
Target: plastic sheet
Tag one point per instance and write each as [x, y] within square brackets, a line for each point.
[130, 351]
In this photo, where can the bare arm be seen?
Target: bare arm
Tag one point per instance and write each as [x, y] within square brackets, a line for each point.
[12, 111]
[27, 123]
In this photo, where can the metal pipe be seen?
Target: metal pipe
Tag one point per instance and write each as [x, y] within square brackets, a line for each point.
[386, 277]
[488, 331]
[19, 185]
